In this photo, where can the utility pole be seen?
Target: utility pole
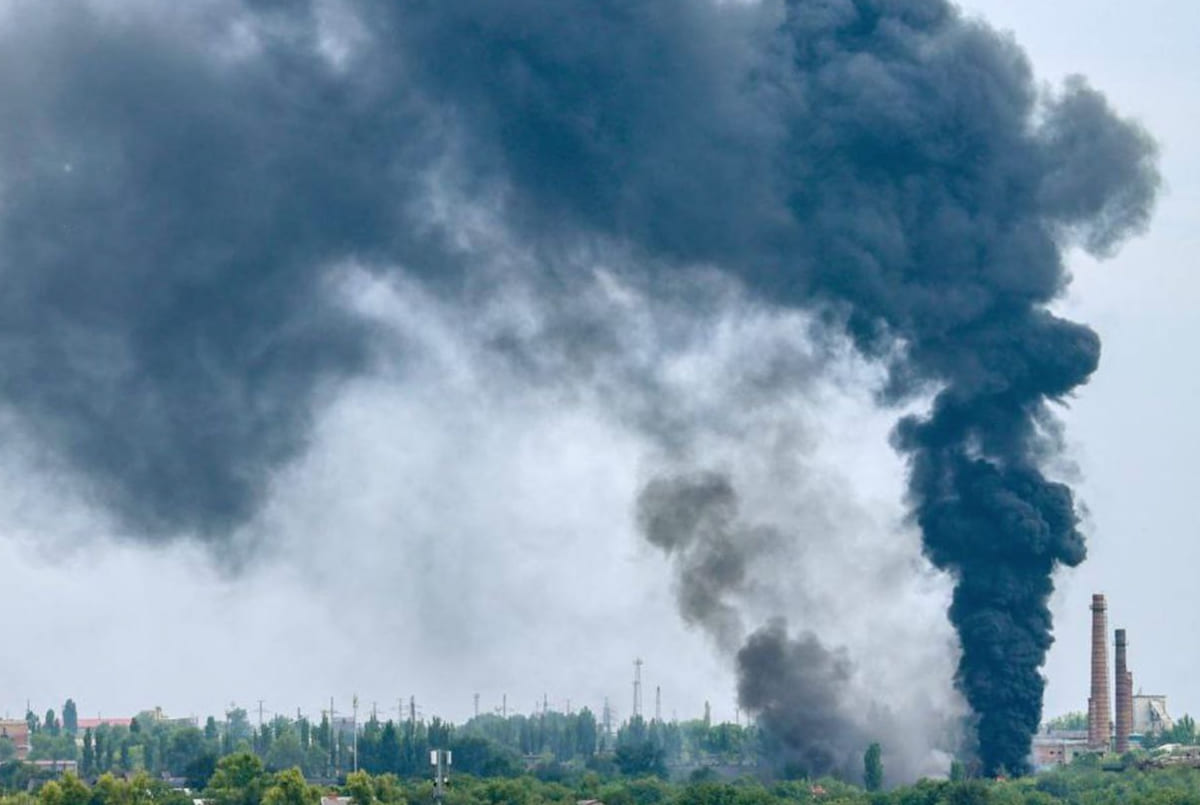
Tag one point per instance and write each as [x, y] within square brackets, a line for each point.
[658, 703]
[354, 724]
[545, 705]
[260, 716]
[441, 760]
[504, 705]
[332, 740]
[637, 687]
[477, 705]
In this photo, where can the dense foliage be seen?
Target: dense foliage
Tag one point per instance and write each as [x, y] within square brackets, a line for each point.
[489, 745]
[525, 760]
[242, 779]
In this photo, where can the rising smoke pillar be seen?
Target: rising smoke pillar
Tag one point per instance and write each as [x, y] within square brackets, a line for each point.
[1098, 712]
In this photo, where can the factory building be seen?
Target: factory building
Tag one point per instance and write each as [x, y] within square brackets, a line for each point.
[1112, 725]
[1150, 714]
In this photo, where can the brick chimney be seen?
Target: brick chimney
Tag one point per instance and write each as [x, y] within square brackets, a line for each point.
[1098, 712]
[1124, 682]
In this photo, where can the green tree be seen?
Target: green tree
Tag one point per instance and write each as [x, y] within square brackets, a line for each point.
[87, 764]
[8, 750]
[969, 792]
[184, 747]
[100, 741]
[50, 794]
[358, 787]
[291, 789]
[389, 748]
[285, 752]
[1183, 731]
[50, 723]
[238, 726]
[238, 780]
[70, 717]
[586, 733]
[74, 792]
[388, 790]
[110, 791]
[45, 746]
[1075, 721]
[873, 768]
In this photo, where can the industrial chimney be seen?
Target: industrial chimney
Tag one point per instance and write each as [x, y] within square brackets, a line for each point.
[1098, 712]
[1124, 682]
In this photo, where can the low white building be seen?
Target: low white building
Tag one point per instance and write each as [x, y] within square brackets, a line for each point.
[1150, 715]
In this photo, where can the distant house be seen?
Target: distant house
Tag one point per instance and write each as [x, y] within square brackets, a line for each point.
[1058, 747]
[59, 766]
[85, 724]
[335, 800]
[92, 723]
[16, 731]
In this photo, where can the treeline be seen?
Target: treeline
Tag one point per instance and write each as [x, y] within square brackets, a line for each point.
[546, 744]
[242, 779]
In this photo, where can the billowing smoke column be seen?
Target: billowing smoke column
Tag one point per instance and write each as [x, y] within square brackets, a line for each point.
[797, 686]
[177, 186]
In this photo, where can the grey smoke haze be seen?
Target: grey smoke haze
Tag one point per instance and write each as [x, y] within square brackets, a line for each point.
[181, 192]
[736, 579]
[798, 690]
[693, 520]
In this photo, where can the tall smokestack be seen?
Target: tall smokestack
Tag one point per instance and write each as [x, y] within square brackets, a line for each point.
[1098, 713]
[1124, 684]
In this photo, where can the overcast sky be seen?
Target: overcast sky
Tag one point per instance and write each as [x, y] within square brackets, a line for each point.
[448, 531]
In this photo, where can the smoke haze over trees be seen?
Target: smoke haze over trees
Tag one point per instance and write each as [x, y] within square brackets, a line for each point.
[196, 204]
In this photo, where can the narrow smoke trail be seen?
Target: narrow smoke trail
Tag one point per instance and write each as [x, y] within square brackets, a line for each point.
[798, 689]
[177, 189]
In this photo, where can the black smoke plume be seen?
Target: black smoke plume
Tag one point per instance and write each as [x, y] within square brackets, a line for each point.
[178, 186]
[797, 688]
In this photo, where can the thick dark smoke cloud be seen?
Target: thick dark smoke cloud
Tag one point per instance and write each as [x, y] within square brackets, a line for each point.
[177, 188]
[798, 689]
